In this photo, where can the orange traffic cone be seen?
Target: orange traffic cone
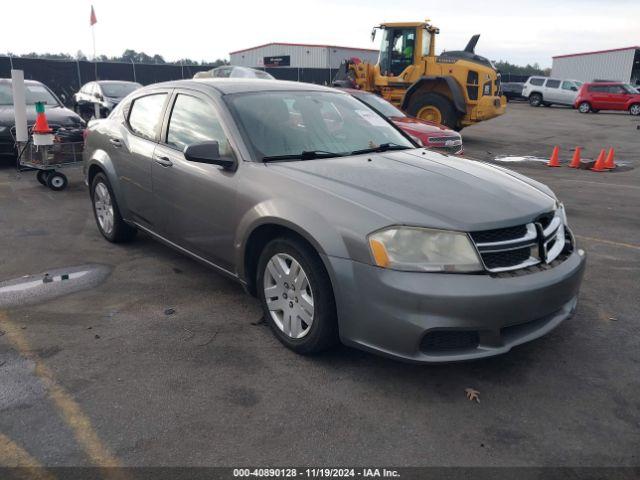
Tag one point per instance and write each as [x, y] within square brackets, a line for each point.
[41, 125]
[575, 161]
[599, 165]
[610, 163]
[554, 161]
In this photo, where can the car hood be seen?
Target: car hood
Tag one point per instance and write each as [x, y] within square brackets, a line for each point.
[422, 125]
[425, 188]
[55, 115]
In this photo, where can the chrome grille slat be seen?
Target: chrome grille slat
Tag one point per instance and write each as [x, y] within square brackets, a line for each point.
[544, 238]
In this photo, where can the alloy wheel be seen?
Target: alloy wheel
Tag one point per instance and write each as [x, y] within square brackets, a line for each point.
[288, 295]
[104, 207]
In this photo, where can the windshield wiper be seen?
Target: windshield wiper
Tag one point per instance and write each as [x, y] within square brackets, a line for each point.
[304, 155]
[383, 147]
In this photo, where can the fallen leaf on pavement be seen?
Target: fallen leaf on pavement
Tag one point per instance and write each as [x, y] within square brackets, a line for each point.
[472, 394]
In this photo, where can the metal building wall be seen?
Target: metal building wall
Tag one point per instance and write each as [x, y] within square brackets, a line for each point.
[302, 56]
[614, 65]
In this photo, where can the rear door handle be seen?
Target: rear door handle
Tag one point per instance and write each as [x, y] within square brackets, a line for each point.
[115, 142]
[163, 161]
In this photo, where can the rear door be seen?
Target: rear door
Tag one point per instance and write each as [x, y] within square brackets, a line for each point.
[599, 96]
[196, 202]
[133, 154]
[617, 97]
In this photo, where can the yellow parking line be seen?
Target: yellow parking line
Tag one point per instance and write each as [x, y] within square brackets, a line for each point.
[13, 455]
[70, 411]
[609, 242]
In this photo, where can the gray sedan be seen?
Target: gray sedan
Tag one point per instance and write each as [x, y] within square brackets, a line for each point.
[343, 227]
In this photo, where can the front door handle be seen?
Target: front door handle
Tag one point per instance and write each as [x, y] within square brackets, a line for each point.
[163, 161]
[115, 142]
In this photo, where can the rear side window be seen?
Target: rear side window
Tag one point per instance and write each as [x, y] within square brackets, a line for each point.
[193, 121]
[553, 83]
[144, 115]
[598, 88]
[537, 81]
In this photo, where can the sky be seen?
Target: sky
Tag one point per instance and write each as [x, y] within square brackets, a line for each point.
[520, 32]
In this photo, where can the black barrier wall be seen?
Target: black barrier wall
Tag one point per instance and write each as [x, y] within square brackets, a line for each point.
[65, 77]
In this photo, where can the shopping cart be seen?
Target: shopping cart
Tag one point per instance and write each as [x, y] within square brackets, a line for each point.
[65, 152]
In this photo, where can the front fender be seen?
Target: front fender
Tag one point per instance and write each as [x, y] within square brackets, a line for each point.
[309, 224]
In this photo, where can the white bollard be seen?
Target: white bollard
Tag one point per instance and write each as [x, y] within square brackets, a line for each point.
[19, 105]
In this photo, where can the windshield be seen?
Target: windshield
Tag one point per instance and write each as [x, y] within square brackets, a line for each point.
[288, 123]
[33, 93]
[119, 89]
[379, 104]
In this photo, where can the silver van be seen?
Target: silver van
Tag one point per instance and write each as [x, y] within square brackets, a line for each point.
[549, 91]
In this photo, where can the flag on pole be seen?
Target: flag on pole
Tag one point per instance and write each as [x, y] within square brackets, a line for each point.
[93, 19]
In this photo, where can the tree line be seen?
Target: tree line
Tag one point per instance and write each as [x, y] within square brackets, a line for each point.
[128, 56]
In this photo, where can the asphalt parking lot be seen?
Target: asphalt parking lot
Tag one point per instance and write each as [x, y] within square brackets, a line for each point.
[164, 362]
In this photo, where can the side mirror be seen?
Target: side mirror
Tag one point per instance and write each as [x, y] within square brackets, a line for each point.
[575, 89]
[208, 152]
[98, 96]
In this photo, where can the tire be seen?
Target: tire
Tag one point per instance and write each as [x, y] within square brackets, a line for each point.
[584, 107]
[440, 103]
[535, 99]
[42, 176]
[57, 181]
[594, 110]
[634, 109]
[546, 104]
[106, 212]
[288, 308]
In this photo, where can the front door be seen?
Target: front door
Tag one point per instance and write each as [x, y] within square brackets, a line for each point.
[195, 202]
[133, 155]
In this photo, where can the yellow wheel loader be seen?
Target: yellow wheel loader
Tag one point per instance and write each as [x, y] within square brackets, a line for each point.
[456, 88]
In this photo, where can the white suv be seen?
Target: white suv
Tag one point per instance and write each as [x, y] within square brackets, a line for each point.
[549, 91]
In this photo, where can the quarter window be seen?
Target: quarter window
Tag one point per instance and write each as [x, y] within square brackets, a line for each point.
[193, 121]
[553, 83]
[146, 115]
[538, 82]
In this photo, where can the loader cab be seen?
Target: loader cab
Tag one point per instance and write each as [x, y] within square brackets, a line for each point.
[403, 45]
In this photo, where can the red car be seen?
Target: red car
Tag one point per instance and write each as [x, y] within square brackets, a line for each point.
[432, 135]
[597, 96]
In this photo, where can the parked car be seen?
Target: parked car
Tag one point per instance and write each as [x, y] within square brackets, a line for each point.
[432, 135]
[549, 91]
[106, 94]
[342, 226]
[594, 97]
[66, 124]
[233, 71]
[513, 90]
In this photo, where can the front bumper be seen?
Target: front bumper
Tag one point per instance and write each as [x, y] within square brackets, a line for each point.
[435, 317]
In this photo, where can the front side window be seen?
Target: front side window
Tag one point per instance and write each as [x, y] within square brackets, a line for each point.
[145, 115]
[566, 85]
[397, 49]
[617, 89]
[193, 121]
[119, 89]
[553, 83]
[291, 122]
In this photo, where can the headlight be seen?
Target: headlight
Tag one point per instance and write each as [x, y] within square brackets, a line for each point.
[423, 250]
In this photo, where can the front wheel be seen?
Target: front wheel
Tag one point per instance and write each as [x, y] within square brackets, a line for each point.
[106, 212]
[635, 109]
[296, 295]
[433, 107]
[584, 107]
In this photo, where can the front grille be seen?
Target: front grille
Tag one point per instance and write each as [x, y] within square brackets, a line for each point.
[506, 258]
[523, 246]
[499, 234]
[449, 340]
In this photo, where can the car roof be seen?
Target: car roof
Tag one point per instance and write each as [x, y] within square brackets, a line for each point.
[112, 81]
[242, 85]
[26, 82]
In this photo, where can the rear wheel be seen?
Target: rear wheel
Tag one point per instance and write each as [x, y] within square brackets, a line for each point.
[535, 99]
[433, 107]
[296, 296]
[106, 211]
[42, 176]
[57, 181]
[584, 107]
[635, 109]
